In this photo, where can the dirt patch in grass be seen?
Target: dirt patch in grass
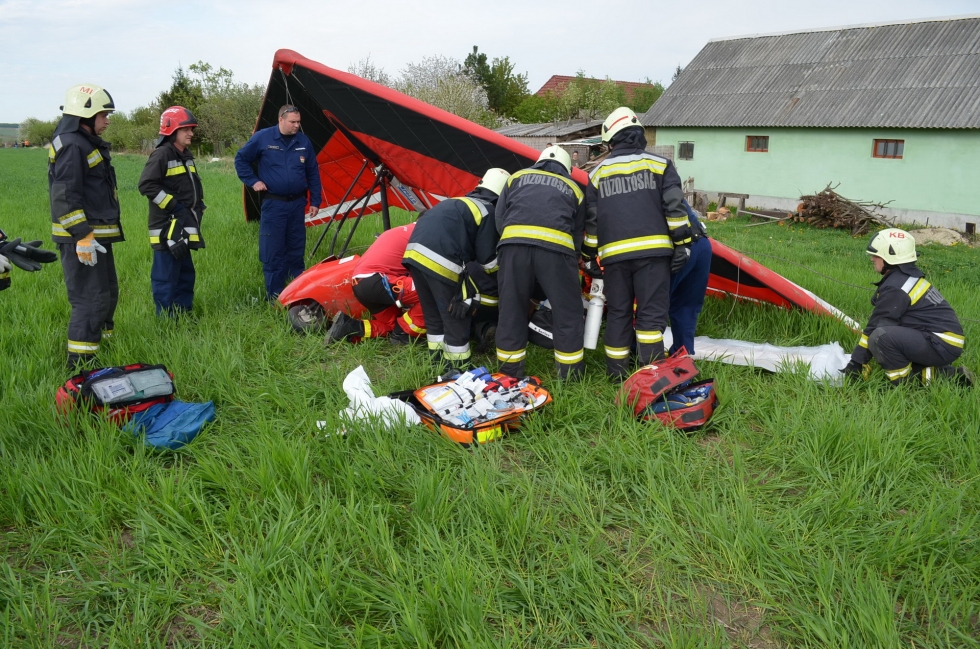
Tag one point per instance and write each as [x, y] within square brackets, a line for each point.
[743, 623]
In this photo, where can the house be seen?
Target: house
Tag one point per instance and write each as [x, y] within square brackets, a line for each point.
[541, 135]
[557, 84]
[889, 111]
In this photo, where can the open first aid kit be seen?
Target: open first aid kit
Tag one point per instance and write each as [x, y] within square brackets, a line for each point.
[665, 391]
[118, 391]
[476, 407]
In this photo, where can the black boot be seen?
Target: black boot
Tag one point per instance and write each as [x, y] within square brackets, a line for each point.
[399, 337]
[344, 327]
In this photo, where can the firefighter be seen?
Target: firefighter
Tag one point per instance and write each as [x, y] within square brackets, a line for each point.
[445, 240]
[85, 218]
[913, 332]
[637, 220]
[171, 183]
[24, 255]
[689, 285]
[386, 289]
[286, 173]
[541, 218]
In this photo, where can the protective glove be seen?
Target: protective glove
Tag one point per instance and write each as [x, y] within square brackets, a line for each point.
[176, 242]
[466, 301]
[855, 370]
[681, 256]
[4, 273]
[87, 248]
[592, 269]
[26, 256]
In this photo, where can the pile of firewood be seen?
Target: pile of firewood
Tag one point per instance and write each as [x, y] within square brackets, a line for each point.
[828, 209]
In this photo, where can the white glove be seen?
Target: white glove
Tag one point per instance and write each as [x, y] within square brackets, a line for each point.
[4, 264]
[86, 250]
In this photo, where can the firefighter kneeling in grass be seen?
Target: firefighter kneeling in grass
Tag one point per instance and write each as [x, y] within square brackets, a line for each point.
[541, 218]
[384, 287]
[446, 239]
[913, 332]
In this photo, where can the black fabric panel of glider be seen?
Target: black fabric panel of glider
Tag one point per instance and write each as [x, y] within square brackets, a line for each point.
[377, 117]
[722, 267]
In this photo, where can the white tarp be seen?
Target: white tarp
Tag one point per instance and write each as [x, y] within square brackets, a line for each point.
[824, 361]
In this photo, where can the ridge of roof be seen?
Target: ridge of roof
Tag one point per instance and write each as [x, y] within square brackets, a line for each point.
[911, 21]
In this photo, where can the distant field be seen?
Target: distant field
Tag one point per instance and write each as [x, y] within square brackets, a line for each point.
[805, 516]
[9, 133]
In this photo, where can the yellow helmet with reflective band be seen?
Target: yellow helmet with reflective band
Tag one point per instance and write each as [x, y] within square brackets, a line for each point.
[619, 119]
[894, 246]
[558, 154]
[494, 180]
[87, 100]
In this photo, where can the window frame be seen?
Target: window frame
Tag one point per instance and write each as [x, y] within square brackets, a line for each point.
[680, 149]
[899, 149]
[748, 144]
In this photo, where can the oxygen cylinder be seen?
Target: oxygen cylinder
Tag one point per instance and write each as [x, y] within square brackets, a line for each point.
[593, 318]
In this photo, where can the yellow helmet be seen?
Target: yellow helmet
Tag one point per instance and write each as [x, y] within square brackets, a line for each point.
[894, 246]
[555, 152]
[619, 119]
[87, 100]
[494, 180]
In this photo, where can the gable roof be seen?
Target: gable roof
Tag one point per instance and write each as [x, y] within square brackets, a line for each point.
[557, 84]
[916, 74]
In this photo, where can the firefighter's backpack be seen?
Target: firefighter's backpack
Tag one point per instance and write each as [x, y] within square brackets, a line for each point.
[119, 392]
[665, 391]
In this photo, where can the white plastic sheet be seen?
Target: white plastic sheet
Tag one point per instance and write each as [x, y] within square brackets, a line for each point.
[364, 406]
[824, 361]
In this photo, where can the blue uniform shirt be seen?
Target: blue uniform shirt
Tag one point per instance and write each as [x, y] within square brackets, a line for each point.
[286, 170]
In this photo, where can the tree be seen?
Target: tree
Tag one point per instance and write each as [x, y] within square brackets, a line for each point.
[677, 73]
[226, 114]
[184, 91]
[505, 90]
[366, 69]
[441, 81]
[38, 132]
[644, 96]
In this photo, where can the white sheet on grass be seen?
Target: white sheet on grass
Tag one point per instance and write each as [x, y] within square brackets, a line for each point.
[364, 406]
[824, 361]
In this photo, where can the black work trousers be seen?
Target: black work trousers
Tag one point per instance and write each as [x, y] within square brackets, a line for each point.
[646, 282]
[93, 292]
[522, 266]
[448, 337]
[906, 354]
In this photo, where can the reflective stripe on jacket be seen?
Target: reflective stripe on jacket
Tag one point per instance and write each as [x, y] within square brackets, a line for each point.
[541, 207]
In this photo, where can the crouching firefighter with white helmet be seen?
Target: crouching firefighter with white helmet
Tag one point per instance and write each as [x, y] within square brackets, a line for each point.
[913, 332]
[85, 218]
[636, 217]
[173, 187]
[446, 238]
[541, 218]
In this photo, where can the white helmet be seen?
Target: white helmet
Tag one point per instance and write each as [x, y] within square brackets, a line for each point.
[558, 154]
[87, 100]
[619, 119]
[494, 180]
[894, 246]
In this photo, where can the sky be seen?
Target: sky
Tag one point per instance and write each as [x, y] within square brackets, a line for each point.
[133, 47]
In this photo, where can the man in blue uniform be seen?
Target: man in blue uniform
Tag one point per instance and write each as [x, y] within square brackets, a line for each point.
[280, 163]
[688, 286]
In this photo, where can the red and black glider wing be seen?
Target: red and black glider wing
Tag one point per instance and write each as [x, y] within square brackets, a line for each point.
[432, 154]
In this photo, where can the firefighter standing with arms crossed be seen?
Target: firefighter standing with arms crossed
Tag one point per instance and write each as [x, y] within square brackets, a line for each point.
[85, 218]
[541, 219]
[286, 172]
[173, 187]
[446, 238]
[636, 213]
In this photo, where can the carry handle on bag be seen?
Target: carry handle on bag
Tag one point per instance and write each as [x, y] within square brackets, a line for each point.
[664, 391]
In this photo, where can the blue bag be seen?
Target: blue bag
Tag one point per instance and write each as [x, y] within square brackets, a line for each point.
[171, 425]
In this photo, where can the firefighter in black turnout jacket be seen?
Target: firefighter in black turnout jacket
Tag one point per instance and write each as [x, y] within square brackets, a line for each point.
[85, 218]
[173, 187]
[447, 238]
[913, 332]
[637, 218]
[541, 218]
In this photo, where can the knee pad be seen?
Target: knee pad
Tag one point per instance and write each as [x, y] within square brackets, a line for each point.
[874, 340]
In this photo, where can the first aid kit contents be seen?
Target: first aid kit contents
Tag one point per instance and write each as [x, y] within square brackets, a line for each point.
[477, 397]
[110, 386]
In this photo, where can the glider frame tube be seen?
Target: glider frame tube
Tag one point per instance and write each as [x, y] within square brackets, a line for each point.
[337, 211]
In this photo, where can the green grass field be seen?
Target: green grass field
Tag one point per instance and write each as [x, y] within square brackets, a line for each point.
[806, 516]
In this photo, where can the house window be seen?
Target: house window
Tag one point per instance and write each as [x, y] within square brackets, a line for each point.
[686, 151]
[888, 149]
[758, 143]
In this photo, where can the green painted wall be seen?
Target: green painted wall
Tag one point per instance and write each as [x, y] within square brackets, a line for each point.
[938, 173]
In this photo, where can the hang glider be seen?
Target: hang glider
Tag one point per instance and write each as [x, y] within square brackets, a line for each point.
[377, 148]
